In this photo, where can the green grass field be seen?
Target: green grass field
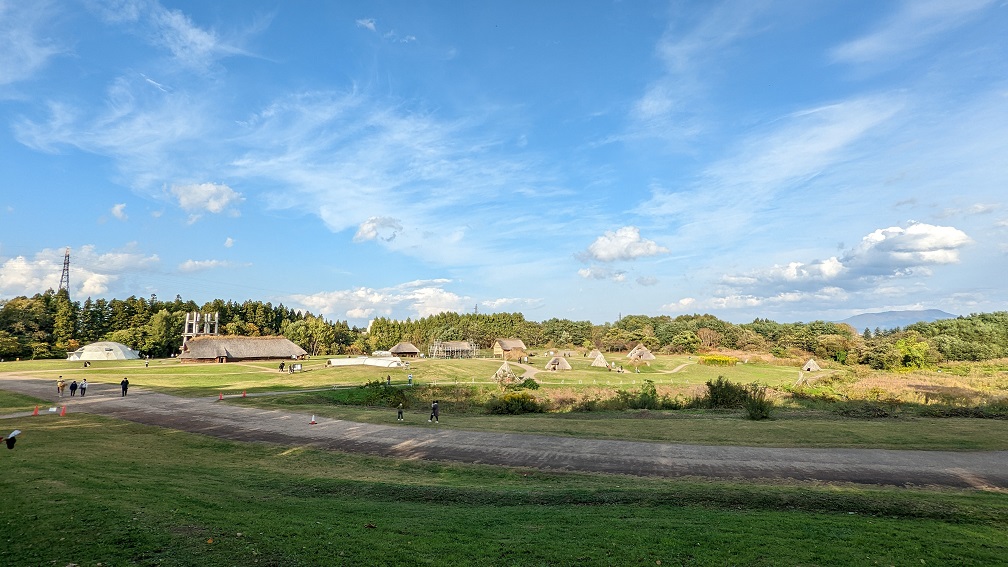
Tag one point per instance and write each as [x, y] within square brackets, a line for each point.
[86, 490]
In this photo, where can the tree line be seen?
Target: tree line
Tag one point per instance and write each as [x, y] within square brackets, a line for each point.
[48, 325]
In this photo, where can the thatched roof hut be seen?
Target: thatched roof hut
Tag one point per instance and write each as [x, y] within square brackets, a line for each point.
[558, 363]
[509, 349]
[230, 348]
[600, 362]
[405, 349]
[811, 366]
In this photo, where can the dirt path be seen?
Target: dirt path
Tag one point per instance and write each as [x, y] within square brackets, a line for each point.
[418, 440]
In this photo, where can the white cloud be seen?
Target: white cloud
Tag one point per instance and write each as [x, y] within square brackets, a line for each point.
[517, 302]
[647, 281]
[25, 46]
[419, 298]
[383, 228]
[623, 244]
[190, 266]
[366, 23]
[229, 242]
[91, 272]
[602, 273]
[869, 268]
[206, 197]
[678, 305]
[119, 211]
[915, 23]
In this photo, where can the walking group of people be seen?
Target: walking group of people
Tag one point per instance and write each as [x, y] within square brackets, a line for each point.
[74, 386]
[435, 412]
[61, 385]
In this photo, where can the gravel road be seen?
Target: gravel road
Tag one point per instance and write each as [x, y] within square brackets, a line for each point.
[209, 416]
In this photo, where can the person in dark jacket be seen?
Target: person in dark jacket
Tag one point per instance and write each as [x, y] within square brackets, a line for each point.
[125, 385]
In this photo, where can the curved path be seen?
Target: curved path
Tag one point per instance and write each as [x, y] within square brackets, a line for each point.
[208, 416]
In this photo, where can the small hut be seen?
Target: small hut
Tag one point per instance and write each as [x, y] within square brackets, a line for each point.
[558, 363]
[594, 353]
[811, 366]
[600, 362]
[505, 375]
[103, 350]
[509, 349]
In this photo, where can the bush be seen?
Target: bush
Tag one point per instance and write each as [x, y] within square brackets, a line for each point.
[757, 405]
[514, 403]
[526, 384]
[378, 393]
[722, 394]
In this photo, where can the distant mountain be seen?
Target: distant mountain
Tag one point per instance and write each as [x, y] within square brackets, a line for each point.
[893, 319]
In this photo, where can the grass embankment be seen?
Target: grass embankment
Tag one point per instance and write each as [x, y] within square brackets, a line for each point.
[86, 490]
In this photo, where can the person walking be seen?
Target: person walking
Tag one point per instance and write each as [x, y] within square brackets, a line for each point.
[83, 387]
[125, 385]
[400, 417]
[434, 412]
[73, 388]
[60, 384]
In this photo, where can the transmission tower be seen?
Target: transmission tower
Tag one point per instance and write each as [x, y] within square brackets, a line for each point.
[65, 278]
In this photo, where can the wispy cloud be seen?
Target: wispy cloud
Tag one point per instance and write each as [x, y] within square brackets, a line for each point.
[912, 26]
[366, 23]
[190, 266]
[119, 211]
[25, 45]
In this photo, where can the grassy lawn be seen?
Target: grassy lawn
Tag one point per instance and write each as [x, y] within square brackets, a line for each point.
[87, 490]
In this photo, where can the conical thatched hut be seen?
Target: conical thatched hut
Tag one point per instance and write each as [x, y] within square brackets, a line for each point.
[600, 361]
[811, 366]
[558, 363]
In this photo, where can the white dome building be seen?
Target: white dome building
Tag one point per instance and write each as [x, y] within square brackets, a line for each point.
[104, 350]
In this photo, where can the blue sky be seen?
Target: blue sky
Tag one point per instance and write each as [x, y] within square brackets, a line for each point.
[582, 160]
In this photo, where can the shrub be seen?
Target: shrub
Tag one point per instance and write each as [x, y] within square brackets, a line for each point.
[757, 405]
[526, 384]
[377, 393]
[723, 394]
[514, 403]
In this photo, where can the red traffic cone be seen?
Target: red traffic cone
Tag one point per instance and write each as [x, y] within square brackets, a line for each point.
[62, 413]
[221, 396]
[312, 422]
[36, 411]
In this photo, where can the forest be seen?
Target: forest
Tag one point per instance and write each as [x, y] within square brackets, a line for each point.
[48, 325]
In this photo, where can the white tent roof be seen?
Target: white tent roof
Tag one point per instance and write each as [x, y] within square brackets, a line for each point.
[104, 350]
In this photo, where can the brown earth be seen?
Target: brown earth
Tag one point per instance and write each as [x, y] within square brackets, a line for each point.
[416, 439]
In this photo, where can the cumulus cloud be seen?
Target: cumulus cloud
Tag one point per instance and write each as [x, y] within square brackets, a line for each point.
[383, 228]
[880, 258]
[119, 211]
[679, 304]
[91, 272]
[229, 242]
[419, 298]
[206, 197]
[623, 244]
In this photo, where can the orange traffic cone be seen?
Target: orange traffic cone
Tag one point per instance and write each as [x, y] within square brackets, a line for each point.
[62, 413]
[221, 397]
[312, 422]
[36, 411]
[243, 393]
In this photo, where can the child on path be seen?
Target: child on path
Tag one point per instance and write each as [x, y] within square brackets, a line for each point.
[399, 417]
[83, 387]
[60, 384]
[73, 388]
